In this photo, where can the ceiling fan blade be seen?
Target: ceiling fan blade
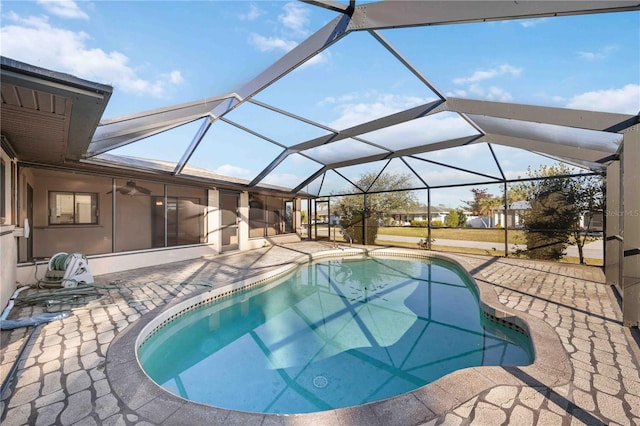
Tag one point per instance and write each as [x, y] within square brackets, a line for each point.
[143, 190]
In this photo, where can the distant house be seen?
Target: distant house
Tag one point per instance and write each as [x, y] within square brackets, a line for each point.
[517, 209]
[596, 224]
[322, 216]
[513, 218]
[479, 221]
[403, 217]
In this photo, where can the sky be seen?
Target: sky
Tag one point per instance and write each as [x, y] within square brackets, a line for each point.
[161, 53]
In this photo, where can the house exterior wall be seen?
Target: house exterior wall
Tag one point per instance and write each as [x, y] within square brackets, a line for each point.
[212, 217]
[8, 241]
[243, 225]
[612, 243]
[631, 228]
[8, 254]
[125, 245]
[50, 239]
[622, 232]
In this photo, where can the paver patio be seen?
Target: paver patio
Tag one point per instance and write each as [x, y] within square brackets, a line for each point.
[66, 374]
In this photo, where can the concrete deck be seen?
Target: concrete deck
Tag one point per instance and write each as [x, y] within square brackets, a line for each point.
[76, 371]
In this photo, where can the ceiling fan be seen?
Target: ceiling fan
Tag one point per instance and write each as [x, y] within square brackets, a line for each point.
[132, 189]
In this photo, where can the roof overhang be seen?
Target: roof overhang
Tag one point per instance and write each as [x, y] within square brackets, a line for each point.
[48, 116]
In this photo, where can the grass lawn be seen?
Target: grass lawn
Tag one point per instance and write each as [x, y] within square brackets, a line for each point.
[469, 250]
[516, 236]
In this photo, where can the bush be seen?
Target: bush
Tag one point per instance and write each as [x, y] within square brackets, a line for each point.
[420, 223]
[437, 224]
[548, 223]
[455, 219]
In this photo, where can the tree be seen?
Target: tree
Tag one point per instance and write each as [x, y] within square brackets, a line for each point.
[451, 219]
[489, 205]
[355, 212]
[558, 201]
[455, 218]
[475, 205]
[515, 193]
[483, 204]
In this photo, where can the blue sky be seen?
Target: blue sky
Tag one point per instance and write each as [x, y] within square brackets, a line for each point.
[161, 53]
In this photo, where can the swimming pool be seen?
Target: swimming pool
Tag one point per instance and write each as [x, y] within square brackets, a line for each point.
[334, 333]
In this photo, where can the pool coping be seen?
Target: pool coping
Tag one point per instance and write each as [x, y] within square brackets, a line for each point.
[138, 392]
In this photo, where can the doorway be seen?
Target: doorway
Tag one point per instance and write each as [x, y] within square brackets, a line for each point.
[175, 221]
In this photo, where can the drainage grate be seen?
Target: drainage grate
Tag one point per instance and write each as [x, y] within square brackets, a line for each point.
[320, 382]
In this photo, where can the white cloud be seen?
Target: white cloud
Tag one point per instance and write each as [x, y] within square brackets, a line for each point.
[234, 171]
[473, 151]
[480, 75]
[252, 14]
[266, 44]
[476, 89]
[285, 180]
[529, 23]
[35, 41]
[445, 176]
[176, 77]
[295, 22]
[357, 108]
[497, 94]
[295, 18]
[460, 93]
[320, 58]
[434, 128]
[515, 174]
[597, 55]
[342, 99]
[63, 8]
[492, 93]
[625, 100]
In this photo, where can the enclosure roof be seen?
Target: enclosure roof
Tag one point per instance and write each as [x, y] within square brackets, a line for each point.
[286, 147]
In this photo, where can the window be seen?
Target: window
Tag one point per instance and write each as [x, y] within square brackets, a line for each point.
[73, 208]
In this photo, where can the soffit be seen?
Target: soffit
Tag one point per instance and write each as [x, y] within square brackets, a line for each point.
[47, 116]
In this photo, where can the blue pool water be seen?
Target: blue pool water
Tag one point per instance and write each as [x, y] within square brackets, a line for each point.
[333, 334]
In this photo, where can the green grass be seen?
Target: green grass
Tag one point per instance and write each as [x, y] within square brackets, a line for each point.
[469, 250]
[465, 250]
[516, 236]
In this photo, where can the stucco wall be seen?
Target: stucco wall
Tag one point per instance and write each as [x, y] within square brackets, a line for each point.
[86, 239]
[8, 253]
